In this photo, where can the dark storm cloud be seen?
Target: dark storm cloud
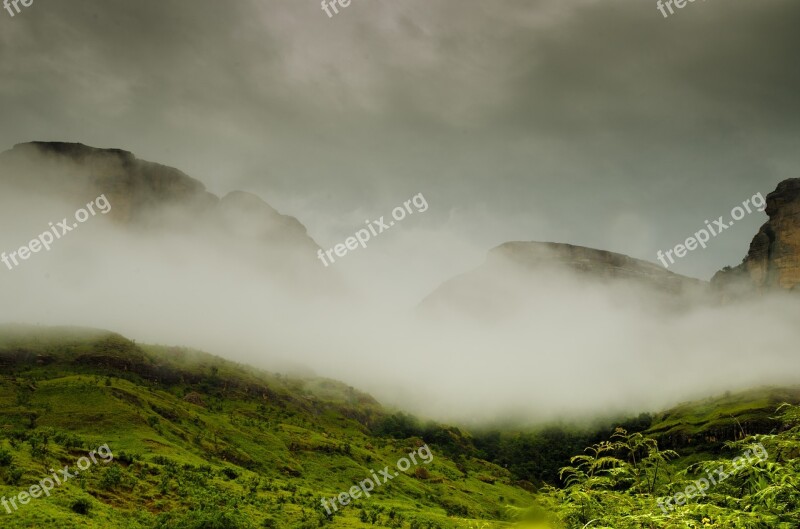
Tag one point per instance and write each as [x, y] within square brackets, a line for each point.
[595, 123]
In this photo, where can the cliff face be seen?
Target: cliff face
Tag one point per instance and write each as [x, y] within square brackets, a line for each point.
[773, 260]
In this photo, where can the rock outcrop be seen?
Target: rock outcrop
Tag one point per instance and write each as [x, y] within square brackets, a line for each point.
[773, 261]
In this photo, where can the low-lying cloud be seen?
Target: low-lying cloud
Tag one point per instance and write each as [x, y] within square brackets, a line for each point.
[572, 347]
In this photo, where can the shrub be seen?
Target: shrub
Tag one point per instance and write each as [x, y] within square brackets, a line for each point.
[124, 457]
[82, 506]
[201, 520]
[111, 478]
[5, 458]
[453, 508]
[14, 475]
[229, 473]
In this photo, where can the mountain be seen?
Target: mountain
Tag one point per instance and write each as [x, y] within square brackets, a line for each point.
[138, 189]
[157, 199]
[773, 260]
[504, 280]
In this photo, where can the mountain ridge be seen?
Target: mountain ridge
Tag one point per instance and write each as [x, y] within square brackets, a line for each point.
[484, 285]
[144, 193]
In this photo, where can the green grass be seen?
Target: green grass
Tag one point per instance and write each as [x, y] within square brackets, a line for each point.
[200, 442]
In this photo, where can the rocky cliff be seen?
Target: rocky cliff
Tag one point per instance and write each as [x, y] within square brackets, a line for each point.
[773, 261]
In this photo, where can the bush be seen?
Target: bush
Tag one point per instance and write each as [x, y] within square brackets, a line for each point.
[453, 508]
[111, 478]
[201, 520]
[229, 473]
[5, 458]
[82, 506]
[14, 475]
[124, 457]
[38, 443]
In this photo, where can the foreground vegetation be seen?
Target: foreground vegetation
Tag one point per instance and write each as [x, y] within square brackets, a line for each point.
[623, 483]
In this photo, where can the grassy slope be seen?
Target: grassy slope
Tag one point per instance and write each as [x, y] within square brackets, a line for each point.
[244, 449]
[711, 422]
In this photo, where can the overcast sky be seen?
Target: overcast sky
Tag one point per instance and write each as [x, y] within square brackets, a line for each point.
[598, 123]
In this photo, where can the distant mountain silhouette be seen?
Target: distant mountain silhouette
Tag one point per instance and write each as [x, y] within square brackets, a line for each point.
[503, 279]
[151, 197]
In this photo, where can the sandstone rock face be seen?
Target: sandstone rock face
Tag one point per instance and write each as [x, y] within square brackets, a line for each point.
[773, 261]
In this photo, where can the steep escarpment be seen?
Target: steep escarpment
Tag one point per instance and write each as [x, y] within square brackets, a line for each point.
[773, 260]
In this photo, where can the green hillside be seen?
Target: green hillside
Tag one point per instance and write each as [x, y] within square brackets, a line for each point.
[711, 422]
[199, 442]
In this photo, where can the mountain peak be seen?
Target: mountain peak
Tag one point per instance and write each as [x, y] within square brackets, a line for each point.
[76, 151]
[515, 270]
